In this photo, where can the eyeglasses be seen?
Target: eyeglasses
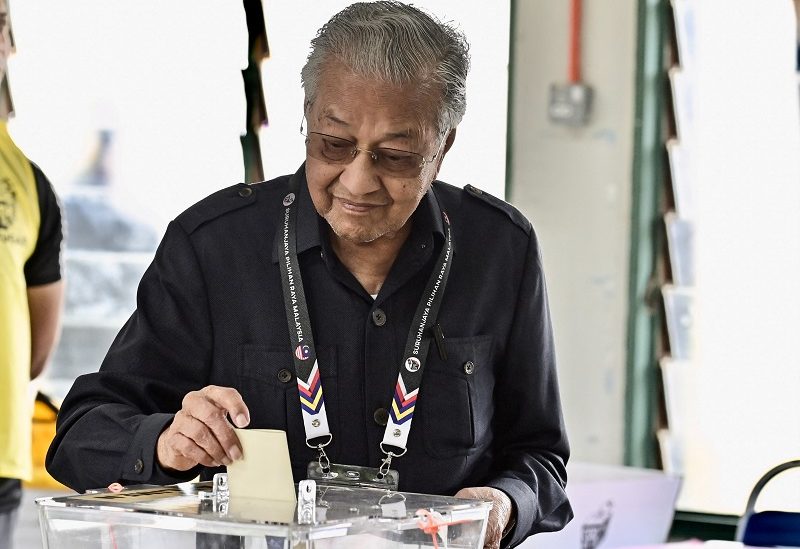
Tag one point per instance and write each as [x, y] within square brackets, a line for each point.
[336, 150]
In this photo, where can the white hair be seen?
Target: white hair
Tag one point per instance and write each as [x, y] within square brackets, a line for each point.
[399, 44]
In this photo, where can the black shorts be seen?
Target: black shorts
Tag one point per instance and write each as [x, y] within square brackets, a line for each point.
[10, 494]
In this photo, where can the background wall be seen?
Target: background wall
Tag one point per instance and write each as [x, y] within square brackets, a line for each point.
[575, 186]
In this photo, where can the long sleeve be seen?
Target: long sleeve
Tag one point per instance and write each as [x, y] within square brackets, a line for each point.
[110, 421]
[531, 447]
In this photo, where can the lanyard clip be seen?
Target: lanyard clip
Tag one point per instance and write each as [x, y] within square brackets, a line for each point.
[324, 462]
[383, 470]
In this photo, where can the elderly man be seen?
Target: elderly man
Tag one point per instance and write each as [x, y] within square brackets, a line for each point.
[360, 285]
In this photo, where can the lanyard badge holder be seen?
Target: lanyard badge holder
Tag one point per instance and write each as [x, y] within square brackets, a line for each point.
[309, 382]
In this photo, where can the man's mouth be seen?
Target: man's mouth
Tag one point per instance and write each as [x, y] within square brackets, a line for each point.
[357, 207]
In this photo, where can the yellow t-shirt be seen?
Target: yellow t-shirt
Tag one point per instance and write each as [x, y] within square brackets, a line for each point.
[19, 230]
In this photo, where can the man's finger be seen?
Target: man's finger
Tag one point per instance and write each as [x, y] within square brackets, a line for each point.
[187, 448]
[208, 406]
[498, 516]
[492, 539]
[493, 532]
[202, 436]
[231, 401]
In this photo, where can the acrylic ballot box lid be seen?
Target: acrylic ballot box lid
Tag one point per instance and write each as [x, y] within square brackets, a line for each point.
[189, 516]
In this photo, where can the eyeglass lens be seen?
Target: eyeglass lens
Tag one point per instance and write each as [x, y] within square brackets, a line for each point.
[336, 150]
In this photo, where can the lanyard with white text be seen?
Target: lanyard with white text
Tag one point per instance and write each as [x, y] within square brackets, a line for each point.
[309, 383]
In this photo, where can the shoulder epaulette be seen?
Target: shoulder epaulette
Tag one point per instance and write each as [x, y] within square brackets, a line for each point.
[217, 204]
[514, 214]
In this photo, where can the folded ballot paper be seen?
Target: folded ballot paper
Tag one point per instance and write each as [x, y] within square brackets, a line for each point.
[261, 482]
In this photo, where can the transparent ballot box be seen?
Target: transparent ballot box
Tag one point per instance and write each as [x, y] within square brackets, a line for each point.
[196, 515]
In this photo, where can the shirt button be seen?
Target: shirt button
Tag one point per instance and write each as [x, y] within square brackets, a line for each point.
[378, 317]
[138, 467]
[381, 416]
[245, 192]
[284, 376]
[469, 367]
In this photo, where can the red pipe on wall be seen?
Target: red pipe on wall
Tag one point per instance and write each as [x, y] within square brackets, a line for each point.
[575, 42]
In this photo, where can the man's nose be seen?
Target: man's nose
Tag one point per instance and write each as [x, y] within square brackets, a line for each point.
[360, 176]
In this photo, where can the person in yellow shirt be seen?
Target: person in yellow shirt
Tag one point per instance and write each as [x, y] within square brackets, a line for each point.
[31, 292]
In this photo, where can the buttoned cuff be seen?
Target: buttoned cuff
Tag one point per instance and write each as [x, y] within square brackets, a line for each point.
[140, 466]
[525, 508]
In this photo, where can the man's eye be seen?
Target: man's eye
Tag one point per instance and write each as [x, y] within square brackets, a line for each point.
[397, 158]
[336, 145]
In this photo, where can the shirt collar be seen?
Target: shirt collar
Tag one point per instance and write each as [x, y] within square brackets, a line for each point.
[311, 227]
[428, 216]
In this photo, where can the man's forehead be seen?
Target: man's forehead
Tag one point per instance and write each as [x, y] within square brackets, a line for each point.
[344, 95]
[404, 126]
[396, 117]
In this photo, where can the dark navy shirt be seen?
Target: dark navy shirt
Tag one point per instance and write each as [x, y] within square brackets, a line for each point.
[211, 312]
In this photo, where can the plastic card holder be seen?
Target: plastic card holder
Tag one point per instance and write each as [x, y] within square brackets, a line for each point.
[353, 475]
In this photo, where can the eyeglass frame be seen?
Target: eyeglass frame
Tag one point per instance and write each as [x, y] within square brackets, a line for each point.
[372, 153]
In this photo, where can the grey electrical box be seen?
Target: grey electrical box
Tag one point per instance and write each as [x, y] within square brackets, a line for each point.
[570, 104]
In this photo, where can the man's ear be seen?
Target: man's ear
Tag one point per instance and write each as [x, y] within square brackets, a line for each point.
[448, 142]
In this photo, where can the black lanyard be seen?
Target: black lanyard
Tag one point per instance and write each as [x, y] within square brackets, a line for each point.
[309, 383]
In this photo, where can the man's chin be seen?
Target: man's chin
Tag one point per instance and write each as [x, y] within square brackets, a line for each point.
[357, 237]
[357, 234]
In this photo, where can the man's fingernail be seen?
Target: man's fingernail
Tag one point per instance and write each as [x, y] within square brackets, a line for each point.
[226, 460]
[241, 420]
[234, 452]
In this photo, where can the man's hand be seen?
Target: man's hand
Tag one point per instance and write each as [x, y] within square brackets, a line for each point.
[499, 517]
[200, 432]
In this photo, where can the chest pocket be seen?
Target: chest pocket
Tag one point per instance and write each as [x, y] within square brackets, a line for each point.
[268, 385]
[456, 403]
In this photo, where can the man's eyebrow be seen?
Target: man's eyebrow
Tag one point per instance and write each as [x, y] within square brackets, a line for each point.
[406, 134]
[336, 120]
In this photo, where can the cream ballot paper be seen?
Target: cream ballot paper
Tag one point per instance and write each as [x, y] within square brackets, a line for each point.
[265, 471]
